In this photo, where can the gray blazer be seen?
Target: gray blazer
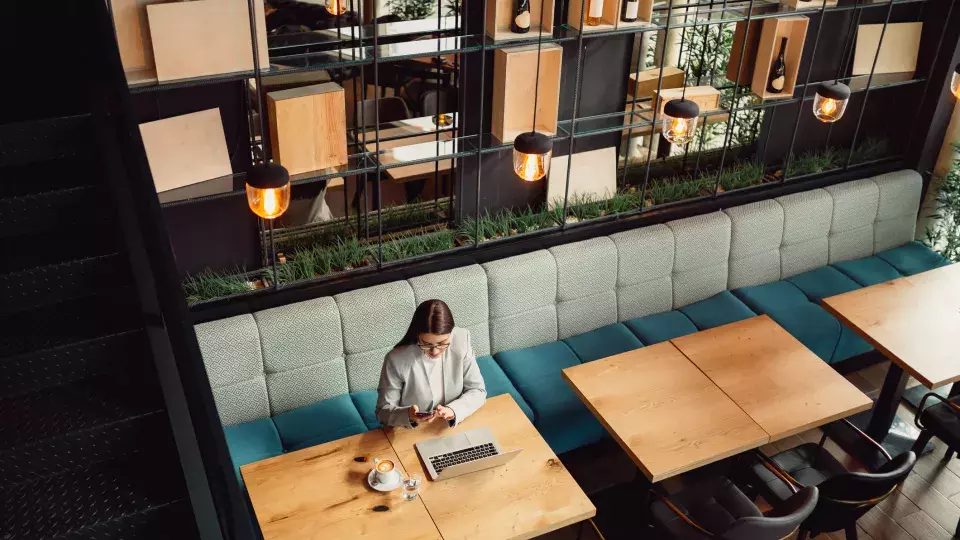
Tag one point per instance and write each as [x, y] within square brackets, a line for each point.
[404, 382]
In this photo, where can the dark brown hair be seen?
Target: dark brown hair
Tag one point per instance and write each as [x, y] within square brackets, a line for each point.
[430, 317]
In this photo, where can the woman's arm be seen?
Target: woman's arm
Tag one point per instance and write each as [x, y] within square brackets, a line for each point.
[474, 391]
[389, 411]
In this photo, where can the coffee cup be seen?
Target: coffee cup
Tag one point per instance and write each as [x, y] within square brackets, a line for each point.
[386, 472]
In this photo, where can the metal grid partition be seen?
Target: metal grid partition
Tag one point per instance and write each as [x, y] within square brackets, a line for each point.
[469, 195]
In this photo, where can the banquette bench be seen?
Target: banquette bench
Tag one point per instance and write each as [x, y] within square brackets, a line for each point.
[306, 373]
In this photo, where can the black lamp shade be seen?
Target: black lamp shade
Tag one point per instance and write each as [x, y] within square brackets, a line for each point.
[268, 176]
[834, 90]
[681, 108]
[532, 142]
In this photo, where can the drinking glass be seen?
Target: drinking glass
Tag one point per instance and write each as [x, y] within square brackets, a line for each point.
[411, 487]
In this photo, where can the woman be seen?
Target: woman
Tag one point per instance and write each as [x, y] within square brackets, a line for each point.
[431, 374]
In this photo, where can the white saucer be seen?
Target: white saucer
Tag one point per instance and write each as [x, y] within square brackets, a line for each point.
[382, 487]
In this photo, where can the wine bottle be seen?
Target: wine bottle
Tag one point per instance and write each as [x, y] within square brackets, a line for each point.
[521, 18]
[630, 8]
[778, 72]
[595, 13]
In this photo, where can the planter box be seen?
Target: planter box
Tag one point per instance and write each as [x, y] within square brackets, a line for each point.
[795, 30]
[515, 85]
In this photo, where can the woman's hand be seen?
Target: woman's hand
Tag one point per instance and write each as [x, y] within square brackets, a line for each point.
[445, 412]
[414, 410]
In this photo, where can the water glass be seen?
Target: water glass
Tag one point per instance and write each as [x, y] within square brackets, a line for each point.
[411, 487]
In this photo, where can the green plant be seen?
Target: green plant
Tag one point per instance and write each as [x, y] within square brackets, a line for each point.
[413, 245]
[872, 148]
[814, 162]
[411, 10]
[208, 285]
[347, 254]
[943, 235]
[741, 175]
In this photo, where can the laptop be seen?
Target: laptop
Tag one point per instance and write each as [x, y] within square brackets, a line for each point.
[463, 453]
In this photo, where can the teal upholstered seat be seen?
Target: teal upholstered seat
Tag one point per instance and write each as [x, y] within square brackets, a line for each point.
[252, 441]
[603, 342]
[719, 309]
[783, 302]
[867, 271]
[366, 403]
[913, 258]
[497, 383]
[561, 418]
[326, 421]
[823, 282]
[661, 327]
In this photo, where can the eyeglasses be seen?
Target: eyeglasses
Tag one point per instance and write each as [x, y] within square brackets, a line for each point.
[427, 347]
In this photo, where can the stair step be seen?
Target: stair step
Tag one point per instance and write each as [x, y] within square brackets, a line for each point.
[65, 281]
[48, 247]
[41, 140]
[51, 175]
[173, 520]
[55, 210]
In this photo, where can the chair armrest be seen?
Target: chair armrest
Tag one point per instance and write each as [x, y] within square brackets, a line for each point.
[683, 517]
[867, 438]
[953, 406]
[777, 471]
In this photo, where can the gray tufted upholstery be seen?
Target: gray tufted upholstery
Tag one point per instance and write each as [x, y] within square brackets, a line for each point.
[280, 359]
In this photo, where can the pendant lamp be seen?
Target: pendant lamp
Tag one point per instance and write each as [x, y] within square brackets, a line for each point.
[680, 118]
[955, 81]
[831, 101]
[532, 150]
[335, 7]
[268, 190]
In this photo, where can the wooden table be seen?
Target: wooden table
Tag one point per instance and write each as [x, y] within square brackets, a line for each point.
[321, 492]
[914, 322]
[663, 411]
[411, 148]
[531, 495]
[783, 386]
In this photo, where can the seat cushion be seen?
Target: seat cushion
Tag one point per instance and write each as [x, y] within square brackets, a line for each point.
[783, 302]
[497, 383]
[943, 421]
[810, 464]
[252, 441]
[661, 327]
[366, 403]
[562, 419]
[719, 309]
[823, 282]
[867, 271]
[603, 342]
[714, 505]
[326, 421]
[913, 258]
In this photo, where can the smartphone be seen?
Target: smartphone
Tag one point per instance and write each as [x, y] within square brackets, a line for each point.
[424, 414]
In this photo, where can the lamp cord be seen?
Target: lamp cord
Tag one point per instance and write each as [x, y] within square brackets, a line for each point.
[847, 45]
[264, 152]
[536, 84]
[683, 93]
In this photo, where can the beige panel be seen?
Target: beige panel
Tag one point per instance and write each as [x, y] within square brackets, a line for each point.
[594, 173]
[514, 88]
[133, 33]
[898, 53]
[186, 149]
[205, 37]
[308, 127]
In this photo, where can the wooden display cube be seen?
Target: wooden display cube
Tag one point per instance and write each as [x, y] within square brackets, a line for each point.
[308, 127]
[897, 53]
[515, 86]
[643, 84]
[795, 30]
[706, 97]
[807, 4]
[608, 20]
[500, 15]
[205, 37]
[749, 32]
[644, 14]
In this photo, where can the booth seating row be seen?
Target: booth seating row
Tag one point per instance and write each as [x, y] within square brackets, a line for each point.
[306, 373]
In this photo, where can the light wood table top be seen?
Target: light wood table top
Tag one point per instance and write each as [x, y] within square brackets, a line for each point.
[531, 495]
[665, 413]
[321, 492]
[783, 386]
[412, 148]
[913, 321]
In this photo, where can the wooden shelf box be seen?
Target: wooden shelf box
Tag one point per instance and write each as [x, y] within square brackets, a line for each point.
[500, 14]
[644, 14]
[308, 127]
[515, 86]
[608, 20]
[795, 30]
[706, 97]
[642, 85]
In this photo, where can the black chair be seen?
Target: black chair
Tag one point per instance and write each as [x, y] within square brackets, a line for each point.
[940, 420]
[845, 496]
[392, 109]
[716, 508]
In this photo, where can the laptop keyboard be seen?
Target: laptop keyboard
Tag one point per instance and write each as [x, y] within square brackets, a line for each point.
[466, 455]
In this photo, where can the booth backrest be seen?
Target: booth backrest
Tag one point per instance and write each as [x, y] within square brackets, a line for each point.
[279, 359]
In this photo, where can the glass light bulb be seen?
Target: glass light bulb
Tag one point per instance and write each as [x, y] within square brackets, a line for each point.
[531, 167]
[679, 130]
[268, 203]
[955, 84]
[828, 110]
[335, 7]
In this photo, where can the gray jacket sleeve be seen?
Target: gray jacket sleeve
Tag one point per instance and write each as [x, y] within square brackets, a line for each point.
[389, 411]
[474, 391]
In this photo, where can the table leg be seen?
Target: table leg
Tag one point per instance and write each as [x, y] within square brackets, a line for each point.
[885, 409]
